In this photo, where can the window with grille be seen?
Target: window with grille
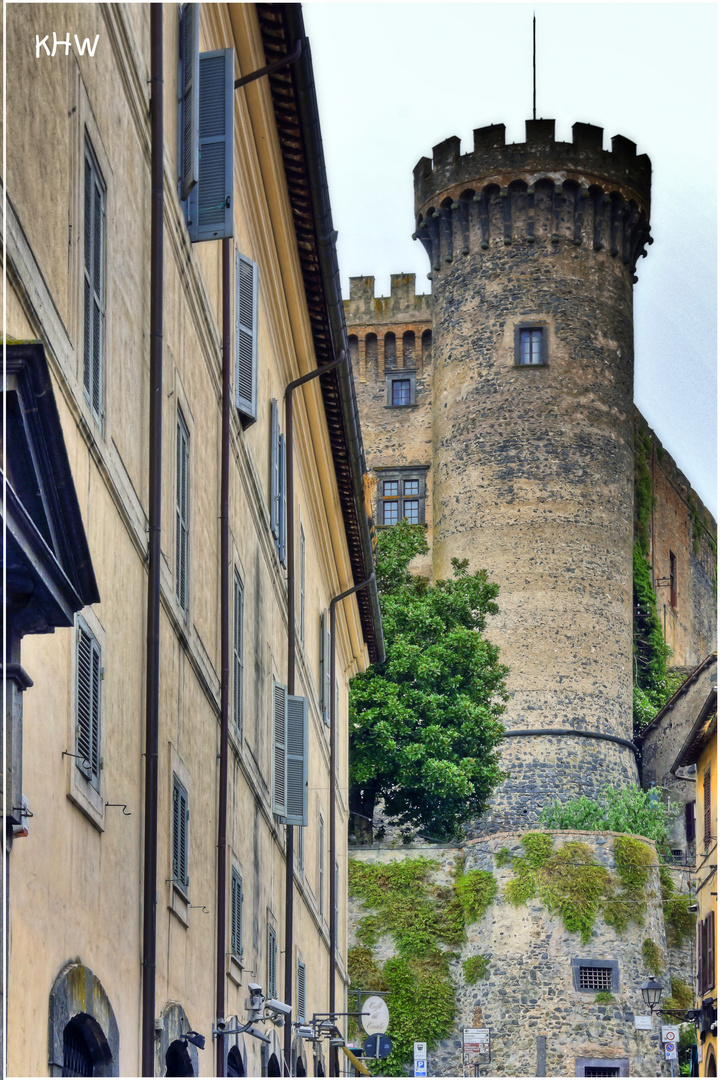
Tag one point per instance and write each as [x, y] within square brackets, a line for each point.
[87, 705]
[272, 963]
[94, 282]
[238, 612]
[530, 346]
[182, 514]
[300, 991]
[595, 975]
[591, 978]
[236, 902]
[77, 1059]
[601, 1070]
[401, 494]
[180, 820]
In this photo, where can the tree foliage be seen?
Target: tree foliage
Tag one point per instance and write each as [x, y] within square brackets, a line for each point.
[425, 725]
[628, 810]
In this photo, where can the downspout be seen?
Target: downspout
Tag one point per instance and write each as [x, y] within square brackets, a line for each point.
[290, 535]
[224, 655]
[334, 1070]
[152, 688]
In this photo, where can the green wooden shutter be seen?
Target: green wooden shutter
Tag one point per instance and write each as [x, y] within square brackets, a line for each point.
[300, 991]
[87, 720]
[236, 901]
[297, 761]
[246, 307]
[209, 208]
[180, 834]
[189, 120]
[274, 470]
[279, 792]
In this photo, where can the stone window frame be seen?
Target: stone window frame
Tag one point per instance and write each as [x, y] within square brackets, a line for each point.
[394, 376]
[400, 474]
[78, 993]
[612, 965]
[621, 1064]
[534, 325]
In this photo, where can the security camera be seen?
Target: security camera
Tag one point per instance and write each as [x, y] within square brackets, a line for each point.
[304, 1031]
[693, 907]
[195, 1039]
[278, 1007]
[255, 988]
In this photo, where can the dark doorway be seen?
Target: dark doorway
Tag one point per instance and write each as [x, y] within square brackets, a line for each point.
[711, 1067]
[300, 1069]
[274, 1066]
[177, 1060]
[319, 1069]
[77, 1059]
[235, 1065]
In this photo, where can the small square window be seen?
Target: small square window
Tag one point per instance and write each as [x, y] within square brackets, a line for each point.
[411, 511]
[401, 391]
[411, 487]
[530, 346]
[401, 495]
[390, 512]
[390, 488]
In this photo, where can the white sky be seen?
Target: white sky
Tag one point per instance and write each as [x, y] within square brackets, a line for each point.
[394, 79]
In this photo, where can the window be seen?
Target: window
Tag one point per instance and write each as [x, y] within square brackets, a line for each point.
[246, 312]
[325, 644]
[87, 720]
[592, 976]
[272, 963]
[182, 517]
[321, 865]
[300, 991]
[400, 389]
[290, 757]
[302, 585]
[94, 282]
[673, 580]
[707, 816]
[401, 495]
[239, 602]
[530, 346]
[602, 1066]
[690, 822]
[180, 821]
[236, 902]
[278, 483]
[209, 204]
[706, 954]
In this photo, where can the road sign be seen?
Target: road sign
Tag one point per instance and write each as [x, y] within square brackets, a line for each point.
[375, 1016]
[419, 1050]
[643, 1023]
[669, 1034]
[670, 1051]
[420, 1067]
[476, 1040]
[377, 1046]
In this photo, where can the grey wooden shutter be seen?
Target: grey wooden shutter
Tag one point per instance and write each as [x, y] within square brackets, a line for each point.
[279, 792]
[236, 900]
[181, 513]
[209, 208]
[282, 501]
[272, 963]
[87, 742]
[300, 991]
[246, 307]
[180, 834]
[94, 277]
[297, 761]
[189, 98]
[238, 655]
[274, 470]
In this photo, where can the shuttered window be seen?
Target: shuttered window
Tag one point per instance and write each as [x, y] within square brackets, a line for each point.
[706, 808]
[94, 281]
[182, 528]
[706, 954]
[246, 315]
[690, 821]
[180, 821]
[297, 761]
[236, 902]
[321, 866]
[189, 120]
[209, 208]
[238, 613]
[279, 798]
[300, 991]
[325, 667]
[272, 963]
[87, 723]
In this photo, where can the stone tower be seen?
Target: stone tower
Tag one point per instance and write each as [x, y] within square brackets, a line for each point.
[533, 248]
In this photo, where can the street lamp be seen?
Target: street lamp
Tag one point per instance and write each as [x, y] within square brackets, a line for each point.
[651, 993]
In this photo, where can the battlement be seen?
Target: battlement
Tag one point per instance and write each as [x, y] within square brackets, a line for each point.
[492, 160]
[402, 305]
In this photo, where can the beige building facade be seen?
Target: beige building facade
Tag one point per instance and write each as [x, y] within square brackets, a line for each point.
[78, 253]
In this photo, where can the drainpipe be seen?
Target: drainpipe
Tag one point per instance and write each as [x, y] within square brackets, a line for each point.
[290, 534]
[333, 759]
[224, 654]
[152, 689]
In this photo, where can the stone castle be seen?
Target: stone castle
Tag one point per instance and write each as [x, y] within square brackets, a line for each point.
[499, 411]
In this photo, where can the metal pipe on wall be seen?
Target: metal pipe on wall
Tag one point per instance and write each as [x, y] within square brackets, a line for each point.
[333, 765]
[290, 539]
[152, 687]
[220, 961]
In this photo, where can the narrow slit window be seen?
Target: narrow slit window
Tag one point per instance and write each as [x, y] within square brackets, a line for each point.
[94, 279]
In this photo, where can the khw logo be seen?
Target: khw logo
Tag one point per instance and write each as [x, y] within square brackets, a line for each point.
[60, 43]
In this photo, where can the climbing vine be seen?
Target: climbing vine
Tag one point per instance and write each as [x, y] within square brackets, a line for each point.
[679, 922]
[425, 921]
[652, 955]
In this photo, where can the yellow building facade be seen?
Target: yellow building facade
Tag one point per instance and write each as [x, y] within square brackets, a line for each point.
[78, 253]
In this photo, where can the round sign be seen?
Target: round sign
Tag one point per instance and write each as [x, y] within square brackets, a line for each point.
[669, 1036]
[377, 1046]
[375, 1016]
[670, 1047]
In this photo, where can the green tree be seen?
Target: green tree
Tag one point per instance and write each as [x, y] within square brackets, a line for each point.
[425, 725]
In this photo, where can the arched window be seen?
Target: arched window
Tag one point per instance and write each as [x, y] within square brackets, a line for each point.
[77, 1058]
[711, 1067]
[426, 347]
[390, 352]
[177, 1060]
[371, 355]
[353, 347]
[235, 1065]
[409, 349]
[300, 1069]
[82, 1031]
[273, 1066]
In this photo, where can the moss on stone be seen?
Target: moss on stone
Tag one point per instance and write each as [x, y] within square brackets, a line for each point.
[538, 849]
[681, 995]
[604, 998]
[633, 860]
[572, 884]
[679, 922]
[503, 857]
[475, 968]
[476, 891]
[652, 955]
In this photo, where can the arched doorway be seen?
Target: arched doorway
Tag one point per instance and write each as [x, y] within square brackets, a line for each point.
[711, 1066]
[300, 1069]
[235, 1065]
[273, 1066]
[83, 1034]
[177, 1060]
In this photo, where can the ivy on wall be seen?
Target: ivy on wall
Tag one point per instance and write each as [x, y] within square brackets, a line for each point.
[425, 922]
